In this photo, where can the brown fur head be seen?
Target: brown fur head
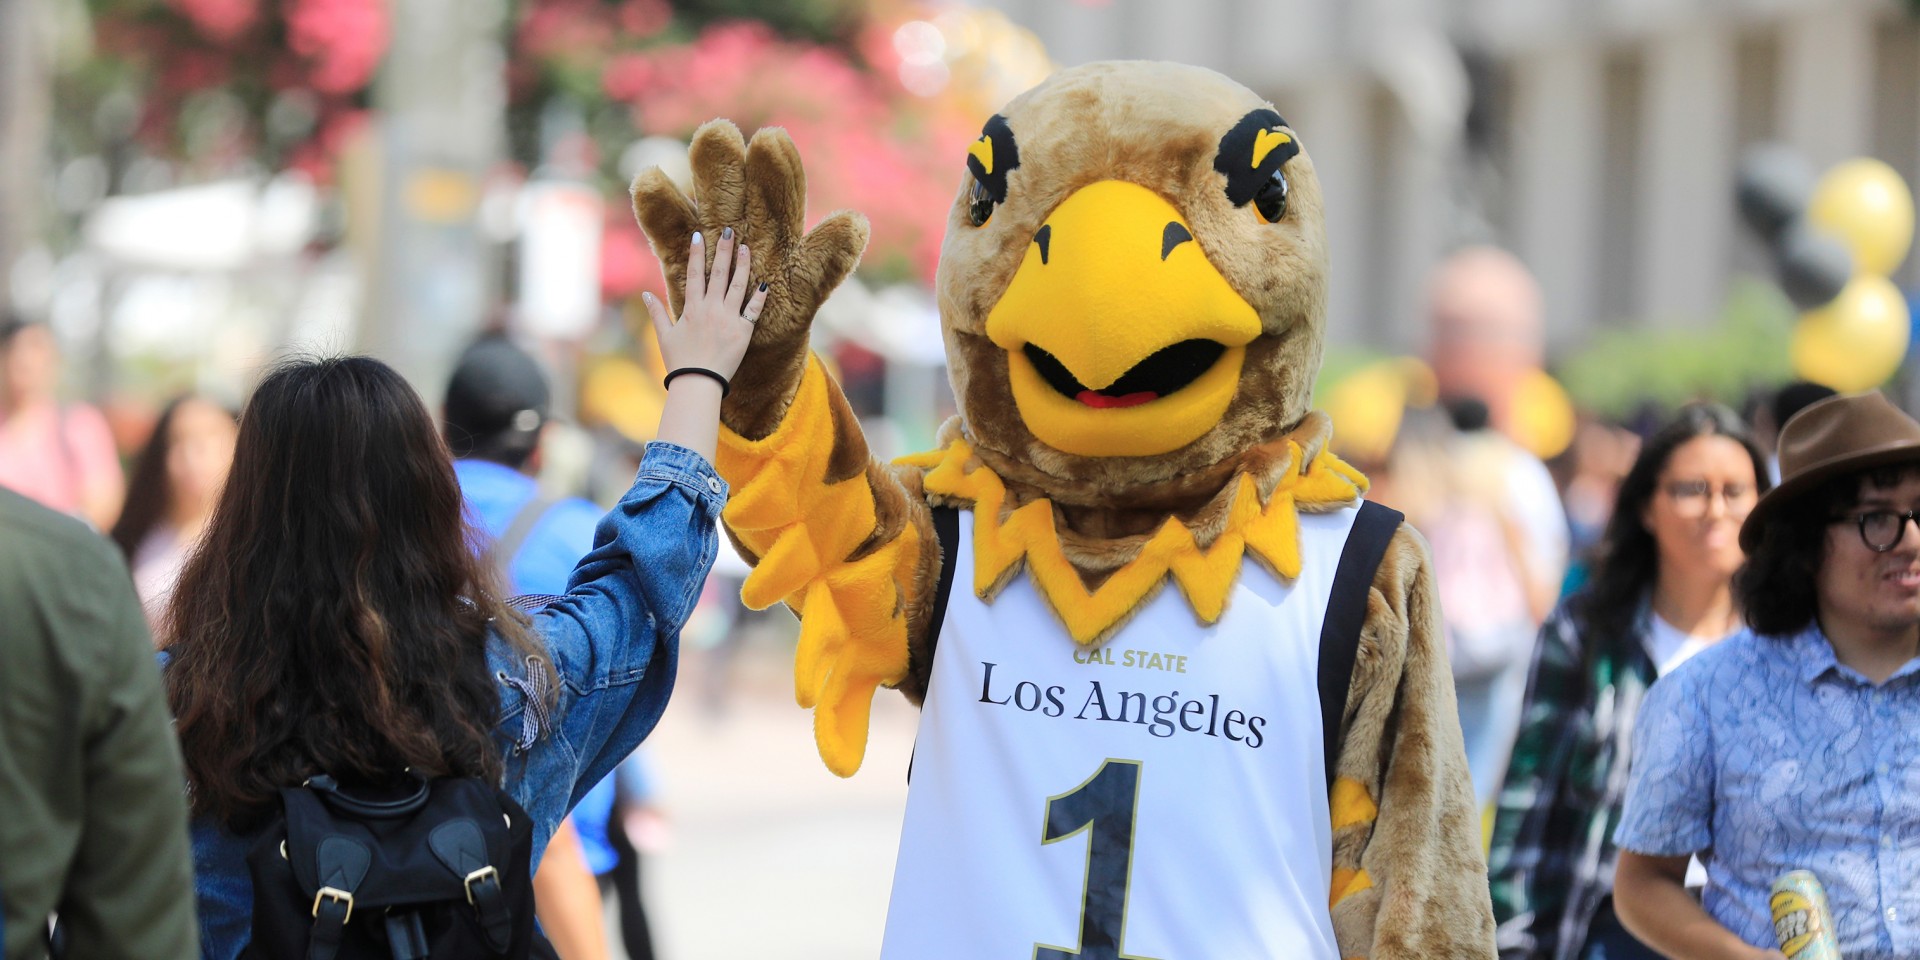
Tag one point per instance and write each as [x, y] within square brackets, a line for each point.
[1160, 126]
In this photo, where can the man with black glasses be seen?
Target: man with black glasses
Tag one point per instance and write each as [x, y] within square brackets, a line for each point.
[1796, 746]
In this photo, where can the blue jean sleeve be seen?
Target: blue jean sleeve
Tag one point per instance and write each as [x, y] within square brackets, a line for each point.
[614, 637]
[1670, 790]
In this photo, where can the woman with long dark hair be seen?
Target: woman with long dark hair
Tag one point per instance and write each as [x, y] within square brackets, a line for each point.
[176, 482]
[1661, 590]
[335, 620]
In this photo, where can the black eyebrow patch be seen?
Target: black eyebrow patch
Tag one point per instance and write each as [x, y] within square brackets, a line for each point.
[1045, 237]
[1235, 157]
[1006, 157]
[1173, 236]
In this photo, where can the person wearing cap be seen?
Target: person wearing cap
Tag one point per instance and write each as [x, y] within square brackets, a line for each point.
[496, 413]
[1796, 745]
[497, 409]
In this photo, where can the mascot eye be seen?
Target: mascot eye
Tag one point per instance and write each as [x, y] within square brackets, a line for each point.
[979, 204]
[1270, 201]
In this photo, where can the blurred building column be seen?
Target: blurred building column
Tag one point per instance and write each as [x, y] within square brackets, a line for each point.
[1270, 43]
[1686, 164]
[442, 105]
[1332, 117]
[1186, 32]
[1074, 33]
[1826, 81]
[26, 102]
[1421, 227]
[1405, 45]
[1559, 148]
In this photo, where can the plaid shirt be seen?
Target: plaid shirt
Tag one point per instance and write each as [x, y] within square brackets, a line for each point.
[1553, 855]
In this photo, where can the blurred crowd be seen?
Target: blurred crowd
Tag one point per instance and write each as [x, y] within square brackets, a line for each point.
[1568, 587]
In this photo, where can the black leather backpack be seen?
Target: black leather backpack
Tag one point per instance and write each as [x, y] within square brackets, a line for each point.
[423, 871]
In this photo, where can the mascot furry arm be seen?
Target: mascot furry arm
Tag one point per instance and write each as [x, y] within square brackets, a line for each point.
[1135, 414]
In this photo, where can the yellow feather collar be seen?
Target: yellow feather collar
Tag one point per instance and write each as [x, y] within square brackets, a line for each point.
[1003, 540]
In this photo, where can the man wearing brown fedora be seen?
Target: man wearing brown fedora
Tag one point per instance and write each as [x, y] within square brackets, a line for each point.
[1796, 745]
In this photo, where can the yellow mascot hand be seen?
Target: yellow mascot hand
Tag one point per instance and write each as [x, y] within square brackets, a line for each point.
[759, 190]
[817, 543]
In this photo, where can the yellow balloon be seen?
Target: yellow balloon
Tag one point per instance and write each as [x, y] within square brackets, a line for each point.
[1866, 205]
[622, 393]
[1857, 341]
[1541, 417]
[1366, 408]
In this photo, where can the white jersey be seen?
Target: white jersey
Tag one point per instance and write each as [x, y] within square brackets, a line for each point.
[1162, 795]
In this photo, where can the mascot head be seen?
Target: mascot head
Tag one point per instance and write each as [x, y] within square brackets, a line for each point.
[1133, 281]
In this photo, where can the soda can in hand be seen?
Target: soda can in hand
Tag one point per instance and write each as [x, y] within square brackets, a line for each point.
[1801, 921]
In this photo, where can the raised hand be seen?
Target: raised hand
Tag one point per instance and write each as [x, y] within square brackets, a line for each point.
[717, 323]
[760, 192]
[702, 350]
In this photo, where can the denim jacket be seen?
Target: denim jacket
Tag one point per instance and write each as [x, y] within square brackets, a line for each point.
[614, 639]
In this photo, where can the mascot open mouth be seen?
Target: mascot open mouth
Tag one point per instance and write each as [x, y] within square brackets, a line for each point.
[1165, 372]
[1121, 338]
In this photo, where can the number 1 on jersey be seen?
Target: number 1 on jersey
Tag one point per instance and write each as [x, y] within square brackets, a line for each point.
[1102, 807]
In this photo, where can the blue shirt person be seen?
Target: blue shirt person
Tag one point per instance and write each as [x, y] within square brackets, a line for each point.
[497, 409]
[556, 536]
[496, 414]
[629, 785]
[1796, 745]
[1766, 755]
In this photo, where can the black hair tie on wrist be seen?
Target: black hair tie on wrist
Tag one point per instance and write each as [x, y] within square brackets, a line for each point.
[725, 387]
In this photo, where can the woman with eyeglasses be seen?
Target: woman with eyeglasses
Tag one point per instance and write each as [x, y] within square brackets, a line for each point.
[1660, 592]
[1796, 745]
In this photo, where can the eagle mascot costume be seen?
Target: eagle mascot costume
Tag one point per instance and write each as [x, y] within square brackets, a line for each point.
[1263, 762]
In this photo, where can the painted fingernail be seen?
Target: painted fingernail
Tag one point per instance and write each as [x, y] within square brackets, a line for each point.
[763, 286]
[726, 234]
[696, 238]
[648, 297]
[743, 249]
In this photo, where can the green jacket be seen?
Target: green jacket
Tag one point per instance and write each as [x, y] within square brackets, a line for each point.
[93, 814]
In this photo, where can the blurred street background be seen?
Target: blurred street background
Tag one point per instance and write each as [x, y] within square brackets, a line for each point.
[1708, 193]
[764, 846]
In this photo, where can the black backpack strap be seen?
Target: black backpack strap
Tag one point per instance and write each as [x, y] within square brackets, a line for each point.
[1366, 545]
[462, 848]
[406, 935]
[342, 863]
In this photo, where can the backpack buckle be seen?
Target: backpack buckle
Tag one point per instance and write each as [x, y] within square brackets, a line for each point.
[480, 875]
[338, 896]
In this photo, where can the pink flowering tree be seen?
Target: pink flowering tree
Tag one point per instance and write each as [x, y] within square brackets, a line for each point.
[868, 144]
[632, 69]
[291, 79]
[299, 71]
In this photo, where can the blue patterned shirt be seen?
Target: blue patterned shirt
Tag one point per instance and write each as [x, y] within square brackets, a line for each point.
[1764, 755]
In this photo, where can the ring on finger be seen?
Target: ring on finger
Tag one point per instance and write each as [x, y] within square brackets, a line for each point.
[750, 317]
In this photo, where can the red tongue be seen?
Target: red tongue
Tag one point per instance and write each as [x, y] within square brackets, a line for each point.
[1100, 401]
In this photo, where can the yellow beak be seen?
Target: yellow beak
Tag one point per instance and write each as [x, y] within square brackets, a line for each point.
[1122, 339]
